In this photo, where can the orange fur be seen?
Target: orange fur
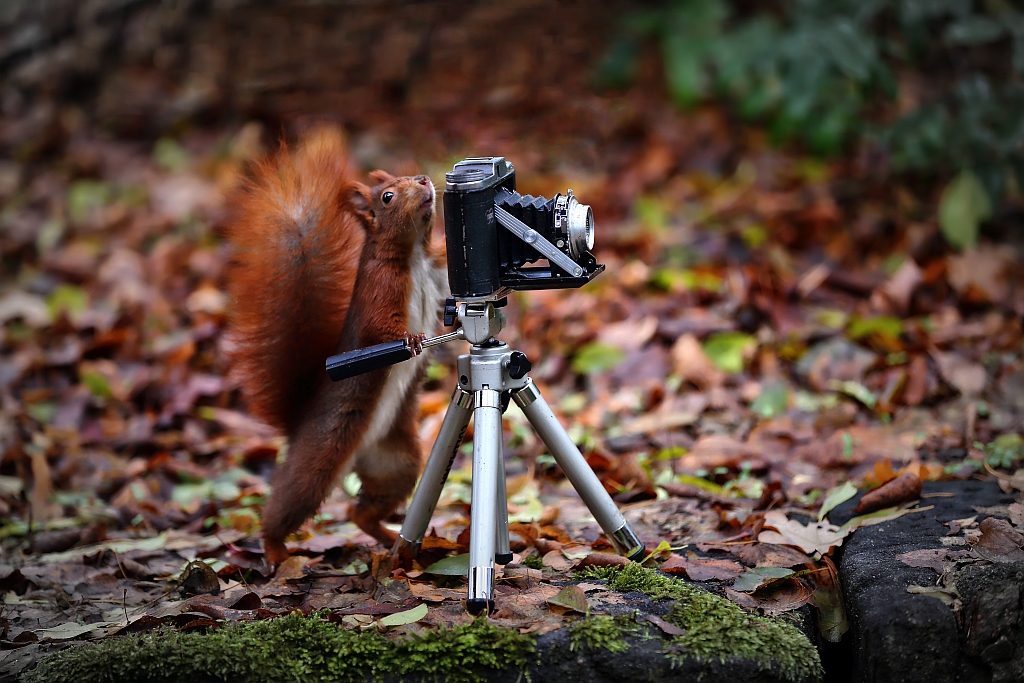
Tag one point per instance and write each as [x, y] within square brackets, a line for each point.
[322, 266]
[296, 253]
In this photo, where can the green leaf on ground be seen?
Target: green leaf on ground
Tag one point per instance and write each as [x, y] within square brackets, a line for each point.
[571, 598]
[456, 565]
[409, 616]
[727, 350]
[758, 577]
[86, 195]
[773, 400]
[835, 496]
[963, 207]
[597, 357]
[170, 155]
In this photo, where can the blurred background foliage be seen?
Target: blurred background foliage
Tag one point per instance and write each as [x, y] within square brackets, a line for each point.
[930, 88]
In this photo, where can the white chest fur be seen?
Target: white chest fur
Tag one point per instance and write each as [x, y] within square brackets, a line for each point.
[429, 288]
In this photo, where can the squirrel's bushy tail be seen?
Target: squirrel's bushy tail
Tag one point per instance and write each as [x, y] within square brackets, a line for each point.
[296, 252]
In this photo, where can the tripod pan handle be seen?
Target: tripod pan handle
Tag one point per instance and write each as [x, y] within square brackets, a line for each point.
[360, 361]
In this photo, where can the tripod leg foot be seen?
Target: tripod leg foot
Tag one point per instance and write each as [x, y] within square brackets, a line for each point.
[478, 606]
[502, 558]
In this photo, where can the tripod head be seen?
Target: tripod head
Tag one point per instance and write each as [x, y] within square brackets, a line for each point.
[478, 323]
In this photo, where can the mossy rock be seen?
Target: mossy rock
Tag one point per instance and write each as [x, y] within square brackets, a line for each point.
[720, 641]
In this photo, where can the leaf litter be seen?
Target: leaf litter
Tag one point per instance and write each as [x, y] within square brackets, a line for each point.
[722, 388]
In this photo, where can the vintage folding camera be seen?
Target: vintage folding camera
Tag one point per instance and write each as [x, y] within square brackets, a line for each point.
[492, 232]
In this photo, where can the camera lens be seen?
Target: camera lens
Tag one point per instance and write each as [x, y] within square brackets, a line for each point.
[581, 227]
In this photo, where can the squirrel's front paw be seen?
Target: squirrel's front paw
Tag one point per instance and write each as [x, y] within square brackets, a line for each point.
[415, 343]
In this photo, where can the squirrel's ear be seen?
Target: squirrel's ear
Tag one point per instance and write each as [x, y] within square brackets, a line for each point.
[380, 177]
[360, 198]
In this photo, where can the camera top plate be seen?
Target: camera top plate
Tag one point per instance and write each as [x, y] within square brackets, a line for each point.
[476, 173]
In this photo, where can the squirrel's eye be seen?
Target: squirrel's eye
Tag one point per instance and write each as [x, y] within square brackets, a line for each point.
[387, 197]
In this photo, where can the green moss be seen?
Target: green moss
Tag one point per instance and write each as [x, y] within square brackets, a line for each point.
[634, 578]
[533, 562]
[602, 632]
[717, 628]
[291, 648]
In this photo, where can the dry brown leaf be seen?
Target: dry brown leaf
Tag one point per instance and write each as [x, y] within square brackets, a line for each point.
[964, 375]
[291, 569]
[939, 559]
[821, 537]
[999, 542]
[900, 287]
[701, 569]
[630, 334]
[691, 364]
[902, 489]
[770, 555]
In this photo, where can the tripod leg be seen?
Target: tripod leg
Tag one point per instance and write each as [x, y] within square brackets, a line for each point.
[502, 551]
[483, 520]
[578, 471]
[439, 464]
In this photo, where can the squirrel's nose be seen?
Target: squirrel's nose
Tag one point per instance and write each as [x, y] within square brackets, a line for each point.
[422, 180]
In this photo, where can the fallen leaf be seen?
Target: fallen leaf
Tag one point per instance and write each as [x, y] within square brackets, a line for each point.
[771, 555]
[835, 496]
[964, 375]
[939, 559]
[1016, 512]
[291, 569]
[456, 565]
[728, 351]
[879, 516]
[828, 598]
[813, 538]
[666, 627]
[69, 631]
[947, 595]
[782, 596]
[571, 598]
[760, 577]
[999, 542]
[902, 489]
[963, 206]
[881, 473]
[556, 560]
[691, 364]
[901, 285]
[701, 569]
[409, 616]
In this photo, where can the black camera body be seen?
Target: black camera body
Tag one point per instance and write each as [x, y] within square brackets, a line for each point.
[492, 232]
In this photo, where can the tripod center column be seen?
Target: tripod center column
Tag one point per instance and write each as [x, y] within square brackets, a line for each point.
[486, 451]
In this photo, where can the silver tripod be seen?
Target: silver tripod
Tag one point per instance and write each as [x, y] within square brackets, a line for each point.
[489, 370]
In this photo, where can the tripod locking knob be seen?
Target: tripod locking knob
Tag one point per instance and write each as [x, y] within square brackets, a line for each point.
[518, 365]
[451, 311]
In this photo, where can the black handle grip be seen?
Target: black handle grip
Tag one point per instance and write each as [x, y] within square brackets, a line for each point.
[360, 361]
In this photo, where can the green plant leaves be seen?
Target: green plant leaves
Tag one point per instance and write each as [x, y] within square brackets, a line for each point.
[974, 30]
[964, 205]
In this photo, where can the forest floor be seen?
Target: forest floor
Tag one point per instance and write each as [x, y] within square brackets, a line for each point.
[772, 335]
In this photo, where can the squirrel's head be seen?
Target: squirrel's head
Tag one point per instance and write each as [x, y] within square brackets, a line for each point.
[396, 208]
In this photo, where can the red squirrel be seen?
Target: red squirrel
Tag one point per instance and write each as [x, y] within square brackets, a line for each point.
[324, 264]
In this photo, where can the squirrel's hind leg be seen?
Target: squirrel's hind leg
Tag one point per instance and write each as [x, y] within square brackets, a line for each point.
[388, 472]
[316, 456]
